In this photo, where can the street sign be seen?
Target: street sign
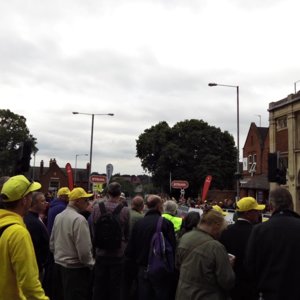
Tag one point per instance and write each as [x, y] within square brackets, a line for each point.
[179, 184]
[109, 171]
[97, 179]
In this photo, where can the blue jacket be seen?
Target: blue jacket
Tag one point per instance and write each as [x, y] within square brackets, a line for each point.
[56, 207]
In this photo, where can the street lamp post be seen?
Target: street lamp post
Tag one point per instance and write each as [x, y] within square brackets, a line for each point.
[92, 134]
[238, 135]
[75, 179]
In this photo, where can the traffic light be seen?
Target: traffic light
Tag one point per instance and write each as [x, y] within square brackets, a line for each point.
[276, 173]
[272, 167]
[23, 157]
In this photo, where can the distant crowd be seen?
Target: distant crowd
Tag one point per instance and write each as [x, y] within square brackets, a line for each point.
[76, 246]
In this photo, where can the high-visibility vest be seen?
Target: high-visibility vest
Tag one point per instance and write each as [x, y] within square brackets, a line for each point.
[177, 221]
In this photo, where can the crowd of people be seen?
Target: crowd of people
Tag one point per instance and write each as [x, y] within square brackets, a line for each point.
[85, 249]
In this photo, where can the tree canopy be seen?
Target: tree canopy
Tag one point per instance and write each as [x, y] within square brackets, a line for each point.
[16, 143]
[190, 150]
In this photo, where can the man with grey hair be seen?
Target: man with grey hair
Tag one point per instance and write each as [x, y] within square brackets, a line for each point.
[170, 213]
[272, 255]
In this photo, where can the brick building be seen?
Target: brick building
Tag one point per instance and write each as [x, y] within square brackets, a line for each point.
[54, 177]
[255, 164]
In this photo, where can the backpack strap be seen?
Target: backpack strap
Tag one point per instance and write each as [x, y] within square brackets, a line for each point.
[118, 209]
[159, 224]
[5, 227]
[102, 208]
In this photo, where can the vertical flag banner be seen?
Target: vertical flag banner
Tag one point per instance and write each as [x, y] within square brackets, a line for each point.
[70, 176]
[206, 186]
[109, 171]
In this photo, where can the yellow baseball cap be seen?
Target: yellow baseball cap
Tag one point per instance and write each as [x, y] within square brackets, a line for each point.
[219, 209]
[63, 191]
[78, 193]
[249, 203]
[17, 187]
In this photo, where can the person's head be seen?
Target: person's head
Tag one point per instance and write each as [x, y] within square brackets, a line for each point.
[79, 198]
[213, 223]
[170, 207]
[63, 194]
[3, 179]
[137, 203]
[191, 220]
[114, 190]
[16, 194]
[219, 209]
[248, 208]
[154, 202]
[38, 203]
[281, 199]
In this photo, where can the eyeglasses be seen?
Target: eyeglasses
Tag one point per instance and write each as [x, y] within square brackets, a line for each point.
[30, 184]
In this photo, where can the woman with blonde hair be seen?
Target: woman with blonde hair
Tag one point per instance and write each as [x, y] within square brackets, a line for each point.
[204, 266]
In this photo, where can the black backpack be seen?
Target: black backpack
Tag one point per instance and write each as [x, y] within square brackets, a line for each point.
[107, 229]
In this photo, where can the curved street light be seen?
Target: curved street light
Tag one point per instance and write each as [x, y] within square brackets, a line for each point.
[92, 134]
[238, 134]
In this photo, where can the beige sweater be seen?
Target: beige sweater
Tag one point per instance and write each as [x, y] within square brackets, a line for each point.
[70, 240]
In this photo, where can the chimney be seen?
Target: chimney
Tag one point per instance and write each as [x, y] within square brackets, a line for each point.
[41, 168]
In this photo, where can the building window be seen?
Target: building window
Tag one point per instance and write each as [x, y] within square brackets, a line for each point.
[54, 185]
[297, 143]
[281, 123]
[249, 161]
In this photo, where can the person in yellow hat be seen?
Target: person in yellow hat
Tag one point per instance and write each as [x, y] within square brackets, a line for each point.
[235, 240]
[71, 244]
[57, 206]
[219, 209]
[18, 267]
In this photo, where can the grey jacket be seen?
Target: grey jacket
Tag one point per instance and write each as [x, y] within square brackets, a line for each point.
[205, 271]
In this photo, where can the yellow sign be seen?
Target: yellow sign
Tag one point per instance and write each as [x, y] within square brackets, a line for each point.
[97, 187]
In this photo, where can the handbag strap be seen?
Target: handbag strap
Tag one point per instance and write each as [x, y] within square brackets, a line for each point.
[159, 224]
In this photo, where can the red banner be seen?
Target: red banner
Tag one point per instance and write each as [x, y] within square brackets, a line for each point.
[206, 186]
[70, 176]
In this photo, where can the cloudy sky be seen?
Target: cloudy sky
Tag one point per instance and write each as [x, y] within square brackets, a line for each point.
[146, 61]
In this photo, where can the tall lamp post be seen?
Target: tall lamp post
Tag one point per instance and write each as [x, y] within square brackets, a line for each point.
[92, 134]
[238, 135]
[75, 179]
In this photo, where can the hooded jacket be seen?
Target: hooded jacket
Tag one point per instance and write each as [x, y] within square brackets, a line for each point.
[18, 268]
[56, 207]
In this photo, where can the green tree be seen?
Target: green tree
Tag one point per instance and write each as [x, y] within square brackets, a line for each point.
[14, 134]
[190, 150]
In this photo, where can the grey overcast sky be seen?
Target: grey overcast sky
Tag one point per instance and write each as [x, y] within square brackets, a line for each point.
[145, 61]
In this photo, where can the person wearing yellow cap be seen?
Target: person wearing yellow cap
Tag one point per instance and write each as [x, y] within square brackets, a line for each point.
[18, 267]
[70, 242]
[57, 206]
[235, 239]
[219, 209]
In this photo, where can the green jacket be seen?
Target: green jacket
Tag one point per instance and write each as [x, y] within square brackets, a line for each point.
[205, 271]
[18, 267]
[177, 221]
